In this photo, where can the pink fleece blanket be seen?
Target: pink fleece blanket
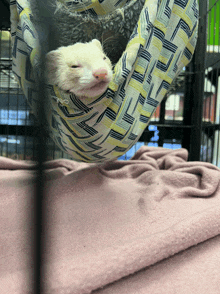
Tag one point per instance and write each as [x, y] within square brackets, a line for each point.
[150, 225]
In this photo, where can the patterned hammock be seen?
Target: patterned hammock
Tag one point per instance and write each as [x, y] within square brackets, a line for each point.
[103, 128]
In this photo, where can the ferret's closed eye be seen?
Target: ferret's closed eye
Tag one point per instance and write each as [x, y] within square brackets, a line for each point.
[74, 66]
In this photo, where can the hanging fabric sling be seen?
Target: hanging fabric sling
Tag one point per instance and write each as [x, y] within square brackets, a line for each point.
[150, 42]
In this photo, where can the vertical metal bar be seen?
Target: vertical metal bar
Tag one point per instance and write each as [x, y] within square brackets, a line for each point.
[187, 115]
[198, 84]
[16, 134]
[1, 144]
[203, 157]
[39, 216]
[39, 195]
[217, 120]
[39, 239]
[216, 41]
[162, 121]
[47, 31]
[8, 96]
[38, 204]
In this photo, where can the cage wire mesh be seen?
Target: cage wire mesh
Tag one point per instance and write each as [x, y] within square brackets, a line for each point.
[17, 132]
[172, 125]
[174, 122]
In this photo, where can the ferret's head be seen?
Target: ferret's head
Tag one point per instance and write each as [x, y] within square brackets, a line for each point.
[82, 68]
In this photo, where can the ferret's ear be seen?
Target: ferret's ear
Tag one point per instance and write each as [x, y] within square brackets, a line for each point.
[97, 43]
[51, 66]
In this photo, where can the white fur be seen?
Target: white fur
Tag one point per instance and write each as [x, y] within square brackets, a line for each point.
[92, 76]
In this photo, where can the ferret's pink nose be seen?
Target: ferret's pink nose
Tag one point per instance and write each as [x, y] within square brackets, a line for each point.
[100, 73]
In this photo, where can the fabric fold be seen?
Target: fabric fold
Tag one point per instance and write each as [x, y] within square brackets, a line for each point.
[106, 222]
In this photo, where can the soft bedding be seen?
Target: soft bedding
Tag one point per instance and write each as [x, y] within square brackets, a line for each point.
[147, 225]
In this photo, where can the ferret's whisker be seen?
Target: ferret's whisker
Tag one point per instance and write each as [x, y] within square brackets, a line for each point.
[106, 40]
[102, 39]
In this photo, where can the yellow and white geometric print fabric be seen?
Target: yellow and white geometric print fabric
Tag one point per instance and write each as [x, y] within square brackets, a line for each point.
[95, 7]
[104, 128]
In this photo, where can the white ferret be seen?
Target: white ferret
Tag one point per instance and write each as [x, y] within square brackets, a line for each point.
[82, 68]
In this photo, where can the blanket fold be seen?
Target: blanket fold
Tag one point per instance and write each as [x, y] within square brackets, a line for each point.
[107, 222]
